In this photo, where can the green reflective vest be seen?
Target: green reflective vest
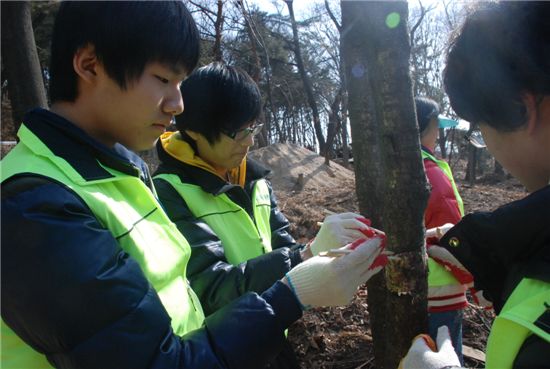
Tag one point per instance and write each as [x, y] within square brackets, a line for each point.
[242, 238]
[438, 275]
[128, 209]
[516, 322]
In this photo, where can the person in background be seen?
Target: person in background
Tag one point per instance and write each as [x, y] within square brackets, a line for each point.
[93, 271]
[221, 201]
[446, 295]
[498, 77]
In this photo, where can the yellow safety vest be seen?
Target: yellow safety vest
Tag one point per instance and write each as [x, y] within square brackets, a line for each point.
[242, 237]
[516, 322]
[128, 209]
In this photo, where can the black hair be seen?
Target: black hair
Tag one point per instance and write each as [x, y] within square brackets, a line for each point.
[218, 98]
[127, 35]
[501, 51]
[426, 109]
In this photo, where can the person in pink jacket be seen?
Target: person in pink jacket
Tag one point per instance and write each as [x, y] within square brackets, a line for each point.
[446, 295]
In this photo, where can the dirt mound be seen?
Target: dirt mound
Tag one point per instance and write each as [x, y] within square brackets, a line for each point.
[307, 201]
[289, 163]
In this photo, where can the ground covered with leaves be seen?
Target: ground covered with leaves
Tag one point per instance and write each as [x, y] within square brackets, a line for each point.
[340, 338]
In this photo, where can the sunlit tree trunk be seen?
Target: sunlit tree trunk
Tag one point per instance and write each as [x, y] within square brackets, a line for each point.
[218, 27]
[22, 67]
[333, 126]
[390, 180]
[306, 81]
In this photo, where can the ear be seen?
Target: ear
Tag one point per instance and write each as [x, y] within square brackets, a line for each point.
[533, 115]
[85, 63]
[192, 134]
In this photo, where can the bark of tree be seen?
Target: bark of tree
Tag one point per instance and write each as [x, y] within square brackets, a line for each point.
[470, 176]
[305, 79]
[218, 27]
[22, 67]
[471, 166]
[499, 170]
[344, 89]
[333, 126]
[255, 75]
[390, 180]
[443, 142]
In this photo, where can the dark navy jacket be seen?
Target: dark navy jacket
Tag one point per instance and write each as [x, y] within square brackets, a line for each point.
[46, 227]
[502, 247]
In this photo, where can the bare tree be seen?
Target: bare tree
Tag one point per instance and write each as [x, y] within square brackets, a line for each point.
[306, 80]
[390, 181]
[210, 24]
[20, 59]
[344, 93]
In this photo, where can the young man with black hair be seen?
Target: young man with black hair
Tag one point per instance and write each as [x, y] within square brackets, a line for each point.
[221, 200]
[93, 271]
[498, 77]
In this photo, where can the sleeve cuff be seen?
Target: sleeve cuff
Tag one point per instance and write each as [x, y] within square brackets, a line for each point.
[284, 303]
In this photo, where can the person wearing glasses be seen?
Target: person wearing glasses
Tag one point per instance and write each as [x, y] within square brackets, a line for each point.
[446, 294]
[498, 77]
[221, 201]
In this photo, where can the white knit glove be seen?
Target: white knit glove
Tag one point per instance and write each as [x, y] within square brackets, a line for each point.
[445, 258]
[332, 281]
[480, 300]
[338, 230]
[424, 355]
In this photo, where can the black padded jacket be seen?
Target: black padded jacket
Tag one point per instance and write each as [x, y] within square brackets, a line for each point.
[502, 247]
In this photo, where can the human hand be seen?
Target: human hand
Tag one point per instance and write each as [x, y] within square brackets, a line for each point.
[439, 232]
[424, 353]
[332, 281]
[480, 300]
[338, 230]
[445, 258]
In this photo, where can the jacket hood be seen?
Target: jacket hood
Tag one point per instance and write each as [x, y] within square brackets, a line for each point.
[175, 146]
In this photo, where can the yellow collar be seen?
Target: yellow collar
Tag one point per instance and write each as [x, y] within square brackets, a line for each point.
[179, 149]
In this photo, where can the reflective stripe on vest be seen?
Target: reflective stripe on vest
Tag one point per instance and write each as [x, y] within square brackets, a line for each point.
[242, 239]
[141, 227]
[516, 322]
[444, 166]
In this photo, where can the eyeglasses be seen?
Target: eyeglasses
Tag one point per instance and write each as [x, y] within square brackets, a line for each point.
[241, 134]
[475, 138]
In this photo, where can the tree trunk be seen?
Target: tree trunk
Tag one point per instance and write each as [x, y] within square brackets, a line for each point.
[344, 89]
[23, 72]
[499, 170]
[262, 138]
[471, 166]
[390, 180]
[332, 128]
[218, 27]
[442, 142]
[305, 80]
